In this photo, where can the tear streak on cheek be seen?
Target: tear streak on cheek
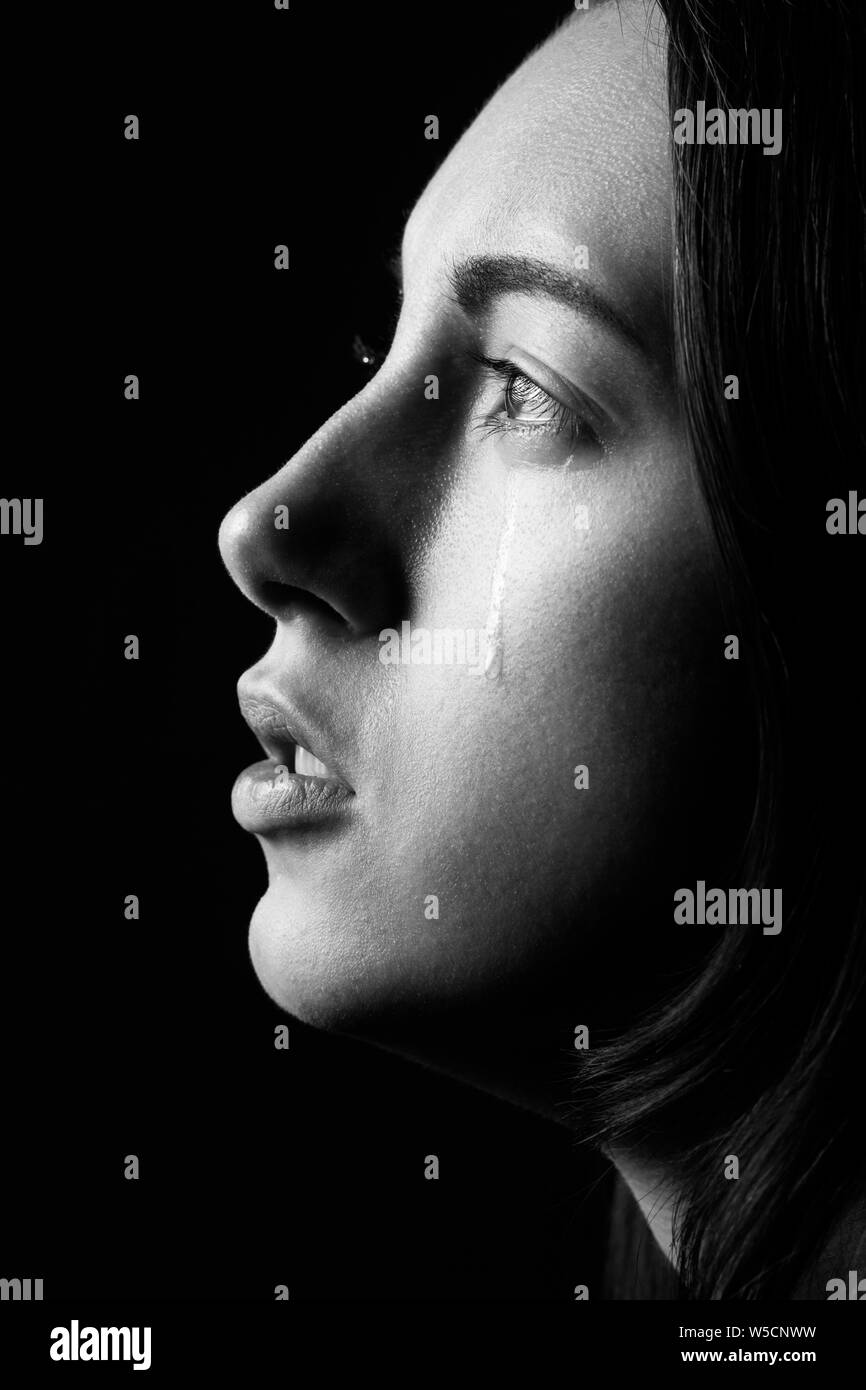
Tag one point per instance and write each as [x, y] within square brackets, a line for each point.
[493, 631]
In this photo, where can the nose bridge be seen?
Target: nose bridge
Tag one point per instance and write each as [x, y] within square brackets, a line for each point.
[337, 523]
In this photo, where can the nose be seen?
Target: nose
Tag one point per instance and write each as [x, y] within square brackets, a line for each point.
[326, 535]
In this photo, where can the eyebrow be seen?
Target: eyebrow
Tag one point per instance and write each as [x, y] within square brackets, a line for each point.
[478, 281]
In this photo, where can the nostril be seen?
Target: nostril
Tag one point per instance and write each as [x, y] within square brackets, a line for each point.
[285, 601]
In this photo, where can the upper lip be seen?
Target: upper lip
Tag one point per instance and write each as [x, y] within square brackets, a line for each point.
[278, 726]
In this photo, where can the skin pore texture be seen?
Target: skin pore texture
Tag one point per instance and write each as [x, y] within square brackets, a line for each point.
[573, 533]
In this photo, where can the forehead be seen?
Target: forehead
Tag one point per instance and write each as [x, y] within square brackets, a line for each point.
[573, 150]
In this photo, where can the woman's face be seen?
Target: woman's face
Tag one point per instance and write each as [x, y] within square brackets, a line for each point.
[543, 517]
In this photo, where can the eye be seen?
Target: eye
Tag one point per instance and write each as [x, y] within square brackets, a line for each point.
[527, 403]
[371, 356]
[368, 357]
[530, 417]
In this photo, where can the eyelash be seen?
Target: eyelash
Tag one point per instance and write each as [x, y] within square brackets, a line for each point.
[563, 420]
[369, 358]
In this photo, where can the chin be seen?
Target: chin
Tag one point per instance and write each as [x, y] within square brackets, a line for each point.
[319, 967]
[296, 965]
[333, 966]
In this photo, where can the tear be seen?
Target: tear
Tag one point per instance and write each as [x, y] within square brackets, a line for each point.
[493, 630]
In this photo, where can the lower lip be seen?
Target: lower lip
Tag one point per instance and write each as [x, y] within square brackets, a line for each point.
[263, 803]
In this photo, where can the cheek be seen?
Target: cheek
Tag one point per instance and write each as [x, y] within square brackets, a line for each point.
[611, 659]
[485, 854]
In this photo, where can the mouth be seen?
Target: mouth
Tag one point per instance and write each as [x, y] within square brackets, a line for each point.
[294, 786]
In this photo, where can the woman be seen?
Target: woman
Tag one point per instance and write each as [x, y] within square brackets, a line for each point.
[563, 644]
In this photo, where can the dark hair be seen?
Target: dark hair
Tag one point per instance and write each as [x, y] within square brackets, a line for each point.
[761, 1054]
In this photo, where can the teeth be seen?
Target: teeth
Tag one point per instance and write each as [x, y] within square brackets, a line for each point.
[308, 766]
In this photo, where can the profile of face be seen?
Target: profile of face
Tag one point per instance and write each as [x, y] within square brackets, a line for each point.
[498, 569]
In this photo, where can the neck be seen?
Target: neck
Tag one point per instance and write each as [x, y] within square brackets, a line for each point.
[655, 1196]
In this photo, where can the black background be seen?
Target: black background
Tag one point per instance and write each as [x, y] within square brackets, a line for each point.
[153, 1037]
